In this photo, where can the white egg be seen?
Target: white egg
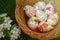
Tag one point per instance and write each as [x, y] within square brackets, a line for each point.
[29, 10]
[41, 16]
[33, 24]
[44, 27]
[53, 19]
[40, 5]
[49, 9]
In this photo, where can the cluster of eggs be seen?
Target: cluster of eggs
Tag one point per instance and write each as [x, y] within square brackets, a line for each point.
[42, 17]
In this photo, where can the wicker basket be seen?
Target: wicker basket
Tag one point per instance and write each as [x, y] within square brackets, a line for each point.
[22, 20]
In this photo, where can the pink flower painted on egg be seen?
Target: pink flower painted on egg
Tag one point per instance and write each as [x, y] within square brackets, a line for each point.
[30, 11]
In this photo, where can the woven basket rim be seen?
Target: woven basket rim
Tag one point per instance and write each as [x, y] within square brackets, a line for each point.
[49, 35]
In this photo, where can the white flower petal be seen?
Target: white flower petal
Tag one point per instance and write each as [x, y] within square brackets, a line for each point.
[13, 36]
[1, 35]
[3, 15]
[7, 20]
[7, 25]
[15, 30]
[1, 26]
[12, 39]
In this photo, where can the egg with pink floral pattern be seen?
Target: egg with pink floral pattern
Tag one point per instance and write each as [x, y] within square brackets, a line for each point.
[29, 10]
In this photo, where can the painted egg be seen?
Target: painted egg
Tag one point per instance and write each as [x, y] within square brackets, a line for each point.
[41, 15]
[29, 10]
[33, 24]
[40, 5]
[53, 19]
[44, 27]
[49, 9]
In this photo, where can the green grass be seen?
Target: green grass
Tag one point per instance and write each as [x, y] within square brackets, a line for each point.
[8, 6]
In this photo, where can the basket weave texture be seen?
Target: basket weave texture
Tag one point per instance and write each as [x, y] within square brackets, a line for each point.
[22, 20]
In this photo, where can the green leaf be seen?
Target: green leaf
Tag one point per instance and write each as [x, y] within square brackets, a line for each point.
[1, 20]
[12, 27]
[6, 38]
[6, 32]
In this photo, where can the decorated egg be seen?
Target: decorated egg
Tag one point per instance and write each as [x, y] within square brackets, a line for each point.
[53, 19]
[29, 10]
[33, 24]
[44, 27]
[41, 16]
[49, 9]
[40, 5]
